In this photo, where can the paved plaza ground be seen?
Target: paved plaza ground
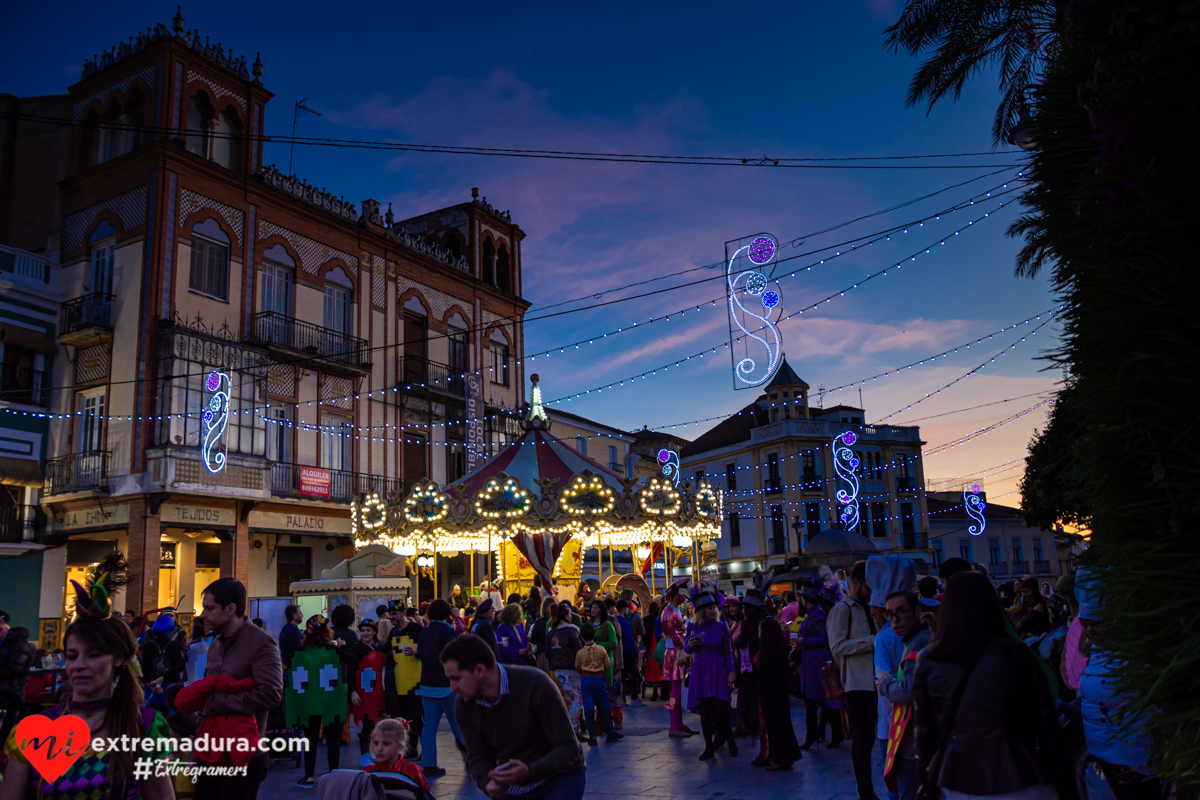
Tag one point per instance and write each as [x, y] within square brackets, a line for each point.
[646, 764]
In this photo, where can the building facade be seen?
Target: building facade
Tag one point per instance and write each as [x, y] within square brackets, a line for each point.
[774, 461]
[336, 349]
[1009, 548]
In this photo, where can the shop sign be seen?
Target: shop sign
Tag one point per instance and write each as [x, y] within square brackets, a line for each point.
[315, 482]
[312, 524]
[166, 559]
[90, 517]
[198, 516]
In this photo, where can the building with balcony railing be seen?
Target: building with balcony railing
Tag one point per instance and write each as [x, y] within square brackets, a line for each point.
[242, 353]
[774, 461]
[1007, 546]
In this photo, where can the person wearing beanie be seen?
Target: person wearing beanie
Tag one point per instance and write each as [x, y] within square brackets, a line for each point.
[483, 625]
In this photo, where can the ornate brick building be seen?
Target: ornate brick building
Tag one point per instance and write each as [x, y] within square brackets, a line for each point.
[346, 344]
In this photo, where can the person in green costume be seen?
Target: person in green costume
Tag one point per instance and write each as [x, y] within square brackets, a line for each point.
[315, 692]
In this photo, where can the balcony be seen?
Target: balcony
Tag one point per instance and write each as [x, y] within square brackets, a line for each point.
[22, 263]
[1020, 567]
[998, 568]
[772, 485]
[78, 472]
[777, 546]
[20, 524]
[906, 483]
[21, 384]
[420, 376]
[85, 319]
[1041, 567]
[287, 480]
[344, 353]
[812, 482]
[914, 541]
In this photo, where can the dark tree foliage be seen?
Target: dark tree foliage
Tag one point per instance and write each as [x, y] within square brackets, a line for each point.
[1050, 493]
[1114, 214]
[969, 36]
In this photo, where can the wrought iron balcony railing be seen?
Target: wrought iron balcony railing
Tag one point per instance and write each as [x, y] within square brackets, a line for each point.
[309, 483]
[777, 546]
[279, 330]
[1020, 567]
[915, 541]
[421, 373]
[21, 384]
[1041, 567]
[20, 524]
[90, 311]
[998, 568]
[77, 472]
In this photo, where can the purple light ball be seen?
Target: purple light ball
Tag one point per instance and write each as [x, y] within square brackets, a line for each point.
[214, 381]
[849, 438]
[664, 455]
[976, 488]
[761, 250]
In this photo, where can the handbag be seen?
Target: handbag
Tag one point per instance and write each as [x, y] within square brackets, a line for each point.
[835, 683]
[928, 790]
[660, 650]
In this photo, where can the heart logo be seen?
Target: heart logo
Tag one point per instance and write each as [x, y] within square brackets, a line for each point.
[52, 745]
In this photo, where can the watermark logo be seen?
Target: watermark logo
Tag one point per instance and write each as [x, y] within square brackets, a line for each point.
[52, 745]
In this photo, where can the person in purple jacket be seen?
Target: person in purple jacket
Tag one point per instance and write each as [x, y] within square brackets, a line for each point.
[712, 674]
[814, 641]
[511, 644]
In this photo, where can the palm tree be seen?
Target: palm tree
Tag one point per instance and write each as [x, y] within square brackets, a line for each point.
[969, 36]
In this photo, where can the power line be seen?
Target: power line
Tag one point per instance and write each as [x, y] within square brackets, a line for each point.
[558, 155]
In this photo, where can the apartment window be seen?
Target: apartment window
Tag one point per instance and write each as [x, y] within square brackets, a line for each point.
[337, 310]
[735, 529]
[102, 265]
[275, 281]
[612, 458]
[808, 461]
[778, 529]
[279, 435]
[1038, 553]
[812, 519]
[581, 444]
[964, 550]
[772, 483]
[938, 554]
[994, 553]
[458, 353]
[906, 518]
[879, 520]
[731, 477]
[499, 363]
[1018, 551]
[416, 465]
[91, 422]
[210, 268]
[456, 460]
[337, 443]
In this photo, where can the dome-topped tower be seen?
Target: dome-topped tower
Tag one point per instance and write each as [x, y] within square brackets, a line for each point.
[787, 395]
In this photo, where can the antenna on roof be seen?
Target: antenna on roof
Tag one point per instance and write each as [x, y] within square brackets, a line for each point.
[296, 118]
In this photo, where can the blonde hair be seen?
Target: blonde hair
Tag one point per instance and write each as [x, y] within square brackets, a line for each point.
[396, 728]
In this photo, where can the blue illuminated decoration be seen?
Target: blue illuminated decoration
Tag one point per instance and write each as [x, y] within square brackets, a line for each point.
[844, 464]
[216, 415]
[669, 460]
[974, 505]
[753, 327]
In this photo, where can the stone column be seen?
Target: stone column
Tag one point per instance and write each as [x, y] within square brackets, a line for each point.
[145, 553]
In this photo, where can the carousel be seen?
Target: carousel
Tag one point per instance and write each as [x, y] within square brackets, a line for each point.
[539, 505]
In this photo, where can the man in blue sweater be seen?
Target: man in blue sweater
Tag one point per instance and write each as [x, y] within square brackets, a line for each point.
[437, 698]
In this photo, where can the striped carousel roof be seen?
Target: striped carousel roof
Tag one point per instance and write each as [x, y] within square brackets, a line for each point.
[539, 455]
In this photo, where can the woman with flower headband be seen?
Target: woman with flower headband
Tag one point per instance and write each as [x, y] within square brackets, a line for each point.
[106, 692]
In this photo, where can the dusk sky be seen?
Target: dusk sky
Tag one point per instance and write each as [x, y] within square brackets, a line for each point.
[787, 80]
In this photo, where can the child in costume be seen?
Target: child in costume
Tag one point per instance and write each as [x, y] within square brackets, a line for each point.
[106, 692]
[315, 693]
[388, 742]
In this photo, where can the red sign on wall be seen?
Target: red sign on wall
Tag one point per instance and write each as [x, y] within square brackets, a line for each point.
[315, 481]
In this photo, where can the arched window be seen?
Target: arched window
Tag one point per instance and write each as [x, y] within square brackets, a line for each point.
[489, 262]
[503, 270]
[226, 130]
[453, 244]
[199, 125]
[93, 136]
[129, 134]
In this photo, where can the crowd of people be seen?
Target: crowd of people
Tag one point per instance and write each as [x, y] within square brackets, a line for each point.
[965, 688]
